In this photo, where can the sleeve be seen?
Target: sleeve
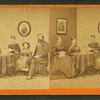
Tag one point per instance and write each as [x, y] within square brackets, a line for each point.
[18, 48]
[30, 53]
[45, 50]
[97, 45]
[55, 52]
[70, 50]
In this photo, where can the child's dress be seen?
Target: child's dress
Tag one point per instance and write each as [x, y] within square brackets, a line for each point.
[21, 62]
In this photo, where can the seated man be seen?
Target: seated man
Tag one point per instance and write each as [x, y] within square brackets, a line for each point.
[40, 57]
[93, 45]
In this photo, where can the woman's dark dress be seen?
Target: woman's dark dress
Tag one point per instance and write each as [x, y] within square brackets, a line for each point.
[61, 67]
[14, 46]
[74, 50]
[94, 45]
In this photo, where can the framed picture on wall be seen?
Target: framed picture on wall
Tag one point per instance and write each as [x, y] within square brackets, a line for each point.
[99, 27]
[24, 28]
[61, 26]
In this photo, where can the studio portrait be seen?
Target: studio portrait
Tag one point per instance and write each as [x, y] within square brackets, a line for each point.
[75, 53]
[24, 48]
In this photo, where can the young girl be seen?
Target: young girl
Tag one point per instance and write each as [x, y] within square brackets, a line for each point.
[25, 54]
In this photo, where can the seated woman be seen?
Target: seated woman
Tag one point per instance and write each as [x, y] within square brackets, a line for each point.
[74, 48]
[93, 45]
[25, 54]
[61, 65]
[13, 47]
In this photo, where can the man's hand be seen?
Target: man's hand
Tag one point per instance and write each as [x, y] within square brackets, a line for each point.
[36, 56]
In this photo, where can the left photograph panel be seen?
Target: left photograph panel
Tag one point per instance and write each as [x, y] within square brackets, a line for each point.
[24, 48]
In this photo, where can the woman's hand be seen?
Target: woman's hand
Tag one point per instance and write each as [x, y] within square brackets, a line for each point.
[89, 49]
[16, 51]
[62, 54]
[10, 50]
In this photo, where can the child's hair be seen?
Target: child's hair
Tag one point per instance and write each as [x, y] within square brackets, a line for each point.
[27, 44]
[13, 37]
[92, 36]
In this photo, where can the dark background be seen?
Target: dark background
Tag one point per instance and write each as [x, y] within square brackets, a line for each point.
[49, 2]
[49, 97]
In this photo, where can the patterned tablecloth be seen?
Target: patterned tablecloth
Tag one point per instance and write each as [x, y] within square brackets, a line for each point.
[84, 60]
[7, 61]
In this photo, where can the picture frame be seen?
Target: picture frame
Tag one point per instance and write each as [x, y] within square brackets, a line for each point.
[61, 26]
[99, 27]
[24, 28]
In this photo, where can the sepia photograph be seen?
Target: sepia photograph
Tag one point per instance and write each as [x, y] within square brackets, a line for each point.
[48, 48]
[24, 28]
[24, 48]
[75, 56]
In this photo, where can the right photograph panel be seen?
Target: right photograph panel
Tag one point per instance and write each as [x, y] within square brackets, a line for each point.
[74, 47]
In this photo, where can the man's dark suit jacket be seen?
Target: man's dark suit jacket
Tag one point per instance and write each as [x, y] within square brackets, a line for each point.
[42, 50]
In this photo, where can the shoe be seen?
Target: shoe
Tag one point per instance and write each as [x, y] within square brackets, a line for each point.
[29, 78]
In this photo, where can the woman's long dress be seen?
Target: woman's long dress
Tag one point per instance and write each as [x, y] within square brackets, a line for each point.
[61, 67]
